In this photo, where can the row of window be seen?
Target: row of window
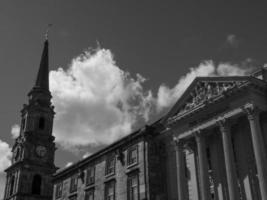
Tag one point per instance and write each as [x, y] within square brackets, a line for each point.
[132, 159]
[110, 190]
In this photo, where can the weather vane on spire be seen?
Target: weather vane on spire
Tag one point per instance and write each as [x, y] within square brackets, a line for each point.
[47, 31]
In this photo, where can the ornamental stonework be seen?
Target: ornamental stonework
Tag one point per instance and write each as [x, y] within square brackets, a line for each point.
[205, 92]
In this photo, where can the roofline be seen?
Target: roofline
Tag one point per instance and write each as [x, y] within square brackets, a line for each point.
[124, 140]
[95, 155]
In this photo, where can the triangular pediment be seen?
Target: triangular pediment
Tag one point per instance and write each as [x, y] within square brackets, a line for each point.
[204, 90]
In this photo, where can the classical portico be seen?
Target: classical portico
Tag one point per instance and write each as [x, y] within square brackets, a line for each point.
[220, 120]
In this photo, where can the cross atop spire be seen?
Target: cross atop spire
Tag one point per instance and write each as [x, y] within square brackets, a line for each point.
[47, 31]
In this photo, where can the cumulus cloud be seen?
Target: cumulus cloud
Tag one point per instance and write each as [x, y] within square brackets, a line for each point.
[15, 129]
[96, 102]
[5, 158]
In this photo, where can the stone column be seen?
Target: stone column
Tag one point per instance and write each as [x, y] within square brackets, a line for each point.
[180, 168]
[229, 160]
[203, 166]
[258, 146]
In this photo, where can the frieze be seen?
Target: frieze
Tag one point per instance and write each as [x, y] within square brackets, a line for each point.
[205, 92]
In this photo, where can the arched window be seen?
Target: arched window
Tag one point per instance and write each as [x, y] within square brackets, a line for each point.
[36, 184]
[12, 184]
[41, 123]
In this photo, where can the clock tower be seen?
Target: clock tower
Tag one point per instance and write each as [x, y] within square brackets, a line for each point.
[30, 175]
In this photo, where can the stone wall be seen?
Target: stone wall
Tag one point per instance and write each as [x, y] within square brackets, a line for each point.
[122, 172]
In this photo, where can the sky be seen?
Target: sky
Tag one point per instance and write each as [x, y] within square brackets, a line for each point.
[117, 65]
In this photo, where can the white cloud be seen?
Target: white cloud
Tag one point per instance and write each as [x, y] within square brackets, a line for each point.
[227, 69]
[15, 129]
[5, 152]
[95, 101]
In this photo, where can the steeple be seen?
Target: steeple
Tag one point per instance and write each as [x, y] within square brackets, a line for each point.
[40, 92]
[33, 153]
[42, 81]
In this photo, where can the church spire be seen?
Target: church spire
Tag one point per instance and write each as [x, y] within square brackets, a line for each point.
[42, 81]
[40, 92]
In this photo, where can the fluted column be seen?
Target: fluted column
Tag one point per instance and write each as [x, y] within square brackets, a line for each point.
[203, 166]
[180, 168]
[229, 159]
[258, 146]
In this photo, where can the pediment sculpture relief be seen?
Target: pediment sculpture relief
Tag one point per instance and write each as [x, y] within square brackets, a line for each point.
[205, 92]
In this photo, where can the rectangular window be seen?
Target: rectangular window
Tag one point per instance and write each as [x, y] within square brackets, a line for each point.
[58, 190]
[90, 175]
[110, 165]
[133, 187]
[73, 183]
[132, 156]
[89, 194]
[110, 190]
[73, 197]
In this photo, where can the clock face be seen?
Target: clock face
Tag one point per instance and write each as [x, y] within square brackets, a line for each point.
[40, 151]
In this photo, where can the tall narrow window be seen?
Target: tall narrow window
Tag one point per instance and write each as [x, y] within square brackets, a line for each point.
[41, 123]
[89, 194]
[73, 197]
[73, 183]
[133, 187]
[90, 175]
[110, 190]
[110, 165]
[12, 185]
[59, 190]
[132, 156]
[36, 184]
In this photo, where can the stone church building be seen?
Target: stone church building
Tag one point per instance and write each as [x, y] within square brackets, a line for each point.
[211, 145]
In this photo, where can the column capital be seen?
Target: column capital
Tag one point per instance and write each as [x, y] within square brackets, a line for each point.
[197, 134]
[251, 110]
[223, 124]
[190, 146]
[178, 143]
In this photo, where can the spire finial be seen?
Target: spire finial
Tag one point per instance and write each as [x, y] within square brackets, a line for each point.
[47, 31]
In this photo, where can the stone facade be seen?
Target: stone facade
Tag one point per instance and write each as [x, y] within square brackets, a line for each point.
[99, 162]
[218, 131]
